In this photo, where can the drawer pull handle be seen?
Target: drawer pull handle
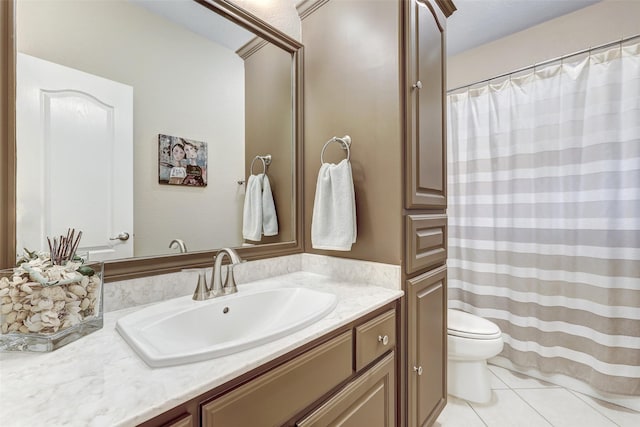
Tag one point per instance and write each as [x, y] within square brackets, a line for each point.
[418, 369]
[383, 339]
[417, 85]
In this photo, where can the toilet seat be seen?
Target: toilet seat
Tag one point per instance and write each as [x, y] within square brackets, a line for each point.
[465, 325]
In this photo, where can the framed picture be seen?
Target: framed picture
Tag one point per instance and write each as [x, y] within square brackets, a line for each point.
[182, 161]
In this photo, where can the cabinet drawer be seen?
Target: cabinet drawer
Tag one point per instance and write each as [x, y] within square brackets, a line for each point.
[275, 397]
[184, 421]
[426, 241]
[374, 338]
[369, 400]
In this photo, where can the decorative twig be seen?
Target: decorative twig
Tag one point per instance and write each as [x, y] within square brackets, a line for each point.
[64, 250]
[75, 244]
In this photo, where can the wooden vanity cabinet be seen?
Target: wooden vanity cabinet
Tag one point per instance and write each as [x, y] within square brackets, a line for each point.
[349, 375]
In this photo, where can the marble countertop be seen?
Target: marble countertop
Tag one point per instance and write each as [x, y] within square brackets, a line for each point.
[100, 381]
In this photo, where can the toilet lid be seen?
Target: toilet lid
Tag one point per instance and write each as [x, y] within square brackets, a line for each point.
[466, 325]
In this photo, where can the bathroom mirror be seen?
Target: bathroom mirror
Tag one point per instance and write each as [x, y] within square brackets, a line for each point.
[237, 99]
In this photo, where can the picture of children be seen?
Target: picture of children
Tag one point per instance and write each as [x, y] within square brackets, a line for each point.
[178, 172]
[191, 151]
[187, 164]
[177, 153]
[195, 175]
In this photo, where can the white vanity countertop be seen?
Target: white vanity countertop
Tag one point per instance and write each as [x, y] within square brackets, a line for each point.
[100, 381]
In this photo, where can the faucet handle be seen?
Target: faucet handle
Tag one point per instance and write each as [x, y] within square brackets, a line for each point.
[202, 290]
[230, 282]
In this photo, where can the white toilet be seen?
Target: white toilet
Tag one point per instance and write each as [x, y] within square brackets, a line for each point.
[471, 341]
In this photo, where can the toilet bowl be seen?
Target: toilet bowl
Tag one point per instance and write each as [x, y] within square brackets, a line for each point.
[471, 341]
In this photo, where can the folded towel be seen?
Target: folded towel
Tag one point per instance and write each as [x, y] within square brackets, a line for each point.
[259, 213]
[269, 217]
[252, 214]
[333, 225]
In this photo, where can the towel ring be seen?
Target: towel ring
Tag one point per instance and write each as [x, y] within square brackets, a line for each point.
[266, 161]
[345, 143]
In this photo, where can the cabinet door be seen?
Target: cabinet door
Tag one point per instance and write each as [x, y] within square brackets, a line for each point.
[368, 401]
[427, 346]
[426, 152]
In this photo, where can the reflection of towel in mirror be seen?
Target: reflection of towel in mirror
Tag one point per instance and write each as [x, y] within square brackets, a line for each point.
[252, 214]
[269, 217]
[333, 225]
[259, 209]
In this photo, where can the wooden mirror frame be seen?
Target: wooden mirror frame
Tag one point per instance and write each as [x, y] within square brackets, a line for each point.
[143, 266]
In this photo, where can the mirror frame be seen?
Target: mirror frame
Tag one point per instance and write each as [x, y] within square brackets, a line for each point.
[144, 266]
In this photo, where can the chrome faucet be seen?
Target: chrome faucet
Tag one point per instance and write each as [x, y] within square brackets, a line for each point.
[219, 288]
[180, 243]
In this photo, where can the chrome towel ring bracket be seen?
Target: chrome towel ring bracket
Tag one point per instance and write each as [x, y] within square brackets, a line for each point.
[266, 161]
[345, 144]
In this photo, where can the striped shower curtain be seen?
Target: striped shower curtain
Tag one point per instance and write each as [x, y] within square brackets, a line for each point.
[544, 215]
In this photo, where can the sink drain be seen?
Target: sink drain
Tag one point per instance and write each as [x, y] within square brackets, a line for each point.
[225, 310]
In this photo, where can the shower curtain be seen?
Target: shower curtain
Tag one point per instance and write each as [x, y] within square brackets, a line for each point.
[544, 215]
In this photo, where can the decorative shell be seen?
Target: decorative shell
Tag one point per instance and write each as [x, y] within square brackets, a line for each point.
[49, 300]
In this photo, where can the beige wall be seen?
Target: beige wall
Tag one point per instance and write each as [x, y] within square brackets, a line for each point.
[183, 85]
[352, 66]
[600, 23]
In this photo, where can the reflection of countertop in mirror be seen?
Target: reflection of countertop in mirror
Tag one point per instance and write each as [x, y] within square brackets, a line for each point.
[100, 381]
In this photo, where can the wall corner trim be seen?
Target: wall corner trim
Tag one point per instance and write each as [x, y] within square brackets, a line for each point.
[307, 7]
[251, 47]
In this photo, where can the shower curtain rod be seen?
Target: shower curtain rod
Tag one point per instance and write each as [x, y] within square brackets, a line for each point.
[548, 61]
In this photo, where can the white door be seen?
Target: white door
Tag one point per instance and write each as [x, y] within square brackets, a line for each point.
[74, 159]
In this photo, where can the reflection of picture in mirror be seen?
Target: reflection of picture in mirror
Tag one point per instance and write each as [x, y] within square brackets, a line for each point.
[182, 161]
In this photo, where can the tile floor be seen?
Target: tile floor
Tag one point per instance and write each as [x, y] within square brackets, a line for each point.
[521, 401]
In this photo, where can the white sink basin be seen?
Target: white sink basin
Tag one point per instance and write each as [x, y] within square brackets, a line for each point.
[183, 330]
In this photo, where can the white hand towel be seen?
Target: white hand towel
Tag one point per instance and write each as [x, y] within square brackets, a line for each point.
[252, 214]
[269, 217]
[333, 225]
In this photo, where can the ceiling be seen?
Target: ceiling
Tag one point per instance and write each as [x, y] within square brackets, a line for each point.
[200, 20]
[477, 22]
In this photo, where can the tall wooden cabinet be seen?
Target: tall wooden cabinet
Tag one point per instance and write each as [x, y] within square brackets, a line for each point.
[376, 70]
[425, 211]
